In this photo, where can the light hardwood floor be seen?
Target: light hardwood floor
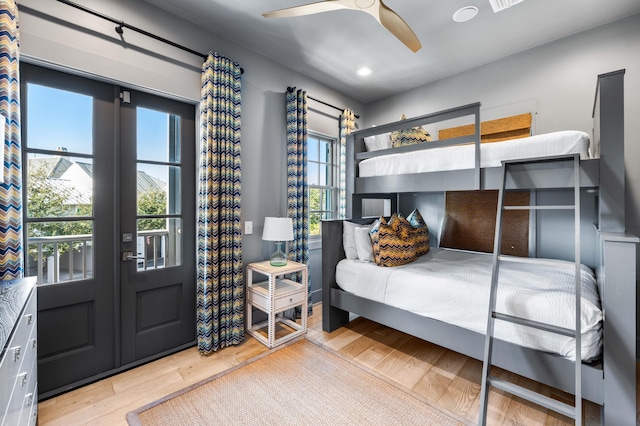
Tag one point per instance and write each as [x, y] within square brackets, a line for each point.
[449, 380]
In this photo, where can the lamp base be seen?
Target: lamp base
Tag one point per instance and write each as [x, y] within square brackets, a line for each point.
[278, 258]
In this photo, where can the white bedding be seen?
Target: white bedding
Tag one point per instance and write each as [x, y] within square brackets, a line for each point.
[453, 286]
[491, 154]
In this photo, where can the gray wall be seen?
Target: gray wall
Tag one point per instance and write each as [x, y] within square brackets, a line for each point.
[557, 83]
[49, 35]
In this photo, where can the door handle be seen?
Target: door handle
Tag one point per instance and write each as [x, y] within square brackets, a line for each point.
[128, 255]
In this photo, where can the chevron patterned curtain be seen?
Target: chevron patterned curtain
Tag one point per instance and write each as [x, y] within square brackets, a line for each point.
[347, 125]
[297, 187]
[11, 259]
[220, 292]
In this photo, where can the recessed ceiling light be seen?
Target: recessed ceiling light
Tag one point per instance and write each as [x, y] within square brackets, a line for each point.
[465, 14]
[364, 71]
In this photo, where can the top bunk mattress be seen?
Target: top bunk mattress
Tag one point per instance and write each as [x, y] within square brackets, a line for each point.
[452, 286]
[460, 157]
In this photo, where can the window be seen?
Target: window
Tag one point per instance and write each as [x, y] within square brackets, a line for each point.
[323, 180]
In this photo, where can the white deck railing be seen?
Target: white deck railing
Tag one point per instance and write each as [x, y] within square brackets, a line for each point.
[77, 264]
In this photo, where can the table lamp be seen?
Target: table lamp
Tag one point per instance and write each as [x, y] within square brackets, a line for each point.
[278, 229]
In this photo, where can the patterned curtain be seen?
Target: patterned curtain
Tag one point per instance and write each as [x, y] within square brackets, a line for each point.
[11, 260]
[347, 125]
[220, 292]
[297, 187]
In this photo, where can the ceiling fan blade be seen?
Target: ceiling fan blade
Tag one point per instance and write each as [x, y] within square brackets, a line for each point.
[310, 9]
[398, 27]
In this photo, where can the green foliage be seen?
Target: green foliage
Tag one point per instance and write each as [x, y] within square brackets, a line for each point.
[46, 200]
[152, 203]
[315, 205]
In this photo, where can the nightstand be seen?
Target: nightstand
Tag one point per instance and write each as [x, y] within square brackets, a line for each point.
[275, 296]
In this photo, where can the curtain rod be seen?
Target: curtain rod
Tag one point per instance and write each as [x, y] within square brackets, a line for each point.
[122, 24]
[291, 89]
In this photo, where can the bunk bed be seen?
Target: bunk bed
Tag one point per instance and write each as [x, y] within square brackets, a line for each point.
[610, 379]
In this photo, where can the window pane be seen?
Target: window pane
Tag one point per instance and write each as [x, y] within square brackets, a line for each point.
[312, 174]
[314, 224]
[314, 199]
[157, 136]
[59, 120]
[324, 178]
[328, 174]
[59, 186]
[326, 200]
[159, 243]
[60, 251]
[158, 189]
[325, 151]
[312, 149]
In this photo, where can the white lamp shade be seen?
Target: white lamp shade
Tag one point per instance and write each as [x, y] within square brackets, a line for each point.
[277, 229]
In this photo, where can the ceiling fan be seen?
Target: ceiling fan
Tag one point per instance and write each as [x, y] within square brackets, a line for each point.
[376, 8]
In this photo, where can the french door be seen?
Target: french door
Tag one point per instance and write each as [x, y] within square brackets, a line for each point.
[157, 222]
[108, 188]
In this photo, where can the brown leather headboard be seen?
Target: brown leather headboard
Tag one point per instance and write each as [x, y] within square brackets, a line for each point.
[470, 221]
[514, 127]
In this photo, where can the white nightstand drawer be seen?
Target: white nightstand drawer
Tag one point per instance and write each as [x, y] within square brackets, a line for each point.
[286, 292]
[290, 301]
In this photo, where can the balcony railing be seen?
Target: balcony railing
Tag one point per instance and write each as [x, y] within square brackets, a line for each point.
[64, 258]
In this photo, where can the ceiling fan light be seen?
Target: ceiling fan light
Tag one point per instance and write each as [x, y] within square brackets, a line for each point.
[498, 5]
[364, 71]
[465, 14]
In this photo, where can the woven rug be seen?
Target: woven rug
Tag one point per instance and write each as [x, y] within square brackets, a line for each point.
[299, 384]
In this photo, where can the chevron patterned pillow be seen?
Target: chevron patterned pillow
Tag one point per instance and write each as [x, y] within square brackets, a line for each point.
[419, 232]
[375, 240]
[411, 136]
[393, 243]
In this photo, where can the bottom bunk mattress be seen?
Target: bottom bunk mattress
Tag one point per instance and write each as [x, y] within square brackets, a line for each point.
[453, 286]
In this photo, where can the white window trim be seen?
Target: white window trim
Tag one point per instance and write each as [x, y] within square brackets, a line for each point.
[315, 241]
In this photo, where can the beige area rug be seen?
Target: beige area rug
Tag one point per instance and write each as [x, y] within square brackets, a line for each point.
[298, 384]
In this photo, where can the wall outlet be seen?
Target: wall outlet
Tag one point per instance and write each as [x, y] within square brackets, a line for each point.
[248, 227]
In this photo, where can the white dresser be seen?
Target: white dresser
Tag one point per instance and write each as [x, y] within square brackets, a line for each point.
[18, 360]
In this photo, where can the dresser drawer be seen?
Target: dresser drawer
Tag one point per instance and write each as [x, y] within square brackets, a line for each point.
[23, 396]
[18, 365]
[33, 414]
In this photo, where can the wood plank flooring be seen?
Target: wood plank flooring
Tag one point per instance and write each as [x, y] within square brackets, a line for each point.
[447, 379]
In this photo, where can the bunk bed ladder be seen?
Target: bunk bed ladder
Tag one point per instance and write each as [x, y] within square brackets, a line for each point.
[574, 411]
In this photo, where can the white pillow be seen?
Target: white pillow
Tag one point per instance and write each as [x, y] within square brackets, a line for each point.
[377, 142]
[363, 244]
[349, 238]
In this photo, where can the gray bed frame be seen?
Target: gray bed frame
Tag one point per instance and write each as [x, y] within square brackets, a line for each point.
[609, 382]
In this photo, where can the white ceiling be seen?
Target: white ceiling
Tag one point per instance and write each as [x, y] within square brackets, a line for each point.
[330, 47]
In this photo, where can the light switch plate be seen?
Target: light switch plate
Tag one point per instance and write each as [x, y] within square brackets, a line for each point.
[248, 227]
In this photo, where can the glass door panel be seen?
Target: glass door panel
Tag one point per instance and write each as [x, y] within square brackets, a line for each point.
[59, 184]
[158, 195]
